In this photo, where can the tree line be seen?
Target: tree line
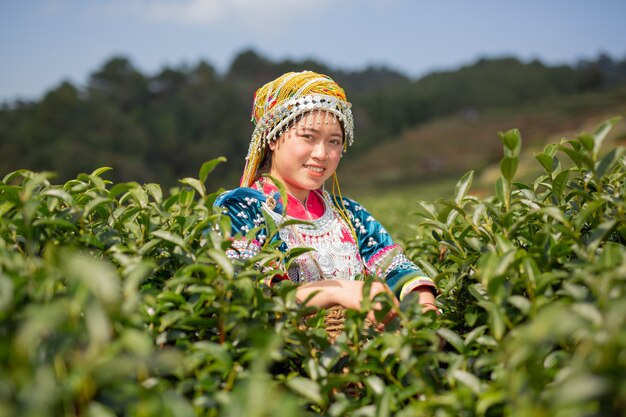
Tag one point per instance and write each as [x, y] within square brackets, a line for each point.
[162, 127]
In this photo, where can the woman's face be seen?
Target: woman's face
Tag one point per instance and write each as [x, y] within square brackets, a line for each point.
[306, 155]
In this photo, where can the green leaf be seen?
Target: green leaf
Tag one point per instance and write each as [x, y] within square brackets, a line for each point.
[581, 389]
[96, 409]
[208, 167]
[195, 184]
[550, 149]
[508, 167]
[523, 304]
[6, 293]
[468, 379]
[169, 237]
[588, 312]
[177, 405]
[93, 204]
[581, 160]
[607, 163]
[546, 162]
[223, 261]
[453, 338]
[587, 141]
[384, 406]
[98, 276]
[488, 399]
[307, 388]
[60, 194]
[452, 217]
[462, 187]
[122, 188]
[436, 224]
[11, 176]
[138, 195]
[594, 207]
[600, 133]
[496, 321]
[12, 193]
[61, 223]
[505, 262]
[96, 181]
[38, 322]
[477, 291]
[556, 214]
[612, 255]
[503, 244]
[558, 184]
[512, 141]
[598, 234]
[427, 267]
[503, 192]
[281, 190]
[375, 384]
[99, 171]
[186, 196]
[531, 271]
[155, 191]
[474, 334]
[428, 208]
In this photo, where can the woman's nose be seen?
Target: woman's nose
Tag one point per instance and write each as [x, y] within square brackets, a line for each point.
[319, 151]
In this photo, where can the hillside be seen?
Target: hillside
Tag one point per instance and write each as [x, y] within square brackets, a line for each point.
[447, 147]
[161, 127]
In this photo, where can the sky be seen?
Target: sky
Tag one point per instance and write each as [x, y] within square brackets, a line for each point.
[46, 42]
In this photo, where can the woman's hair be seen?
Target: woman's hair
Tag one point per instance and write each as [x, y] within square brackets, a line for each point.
[279, 104]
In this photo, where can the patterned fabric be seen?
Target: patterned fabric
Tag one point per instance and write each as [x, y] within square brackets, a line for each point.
[335, 254]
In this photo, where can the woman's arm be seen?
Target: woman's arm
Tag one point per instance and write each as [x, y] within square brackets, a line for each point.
[385, 259]
[427, 299]
[347, 294]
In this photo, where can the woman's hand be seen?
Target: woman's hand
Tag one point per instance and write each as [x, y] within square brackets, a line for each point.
[347, 294]
[427, 300]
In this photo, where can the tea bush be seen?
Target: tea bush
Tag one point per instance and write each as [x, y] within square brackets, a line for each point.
[118, 299]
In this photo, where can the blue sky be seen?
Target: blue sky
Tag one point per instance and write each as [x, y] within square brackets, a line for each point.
[44, 42]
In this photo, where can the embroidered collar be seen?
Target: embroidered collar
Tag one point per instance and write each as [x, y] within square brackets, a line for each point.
[295, 208]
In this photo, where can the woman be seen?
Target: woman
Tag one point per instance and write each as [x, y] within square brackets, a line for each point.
[303, 126]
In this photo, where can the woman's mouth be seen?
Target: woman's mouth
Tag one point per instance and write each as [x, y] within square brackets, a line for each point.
[315, 168]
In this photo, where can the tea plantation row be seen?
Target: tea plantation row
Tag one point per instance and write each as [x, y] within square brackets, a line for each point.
[118, 299]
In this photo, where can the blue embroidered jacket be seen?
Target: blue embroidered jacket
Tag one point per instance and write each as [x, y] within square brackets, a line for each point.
[381, 257]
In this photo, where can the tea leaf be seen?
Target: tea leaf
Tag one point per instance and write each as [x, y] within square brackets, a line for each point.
[600, 133]
[508, 167]
[467, 379]
[546, 161]
[512, 141]
[307, 388]
[208, 167]
[462, 187]
[454, 339]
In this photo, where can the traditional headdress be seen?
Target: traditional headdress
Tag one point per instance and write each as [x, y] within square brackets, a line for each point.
[279, 103]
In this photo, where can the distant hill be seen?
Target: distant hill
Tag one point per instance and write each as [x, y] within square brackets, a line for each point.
[447, 147]
[161, 127]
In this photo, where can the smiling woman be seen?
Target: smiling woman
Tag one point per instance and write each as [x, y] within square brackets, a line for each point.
[303, 126]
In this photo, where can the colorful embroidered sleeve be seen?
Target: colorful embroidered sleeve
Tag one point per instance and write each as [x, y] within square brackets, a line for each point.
[382, 257]
[243, 207]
